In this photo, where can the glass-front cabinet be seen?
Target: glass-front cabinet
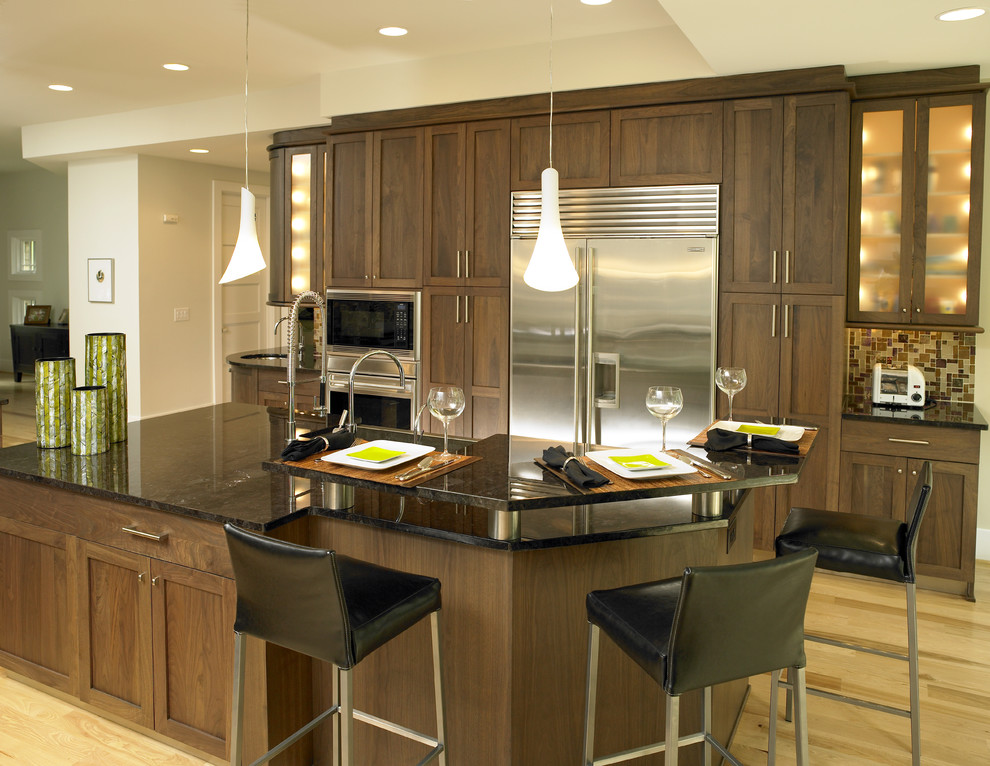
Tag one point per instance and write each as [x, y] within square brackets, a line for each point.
[915, 244]
[296, 222]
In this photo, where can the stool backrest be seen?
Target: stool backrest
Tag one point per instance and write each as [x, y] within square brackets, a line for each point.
[916, 508]
[738, 621]
[289, 595]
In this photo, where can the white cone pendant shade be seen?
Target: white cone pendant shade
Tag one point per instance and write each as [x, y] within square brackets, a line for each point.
[247, 258]
[550, 268]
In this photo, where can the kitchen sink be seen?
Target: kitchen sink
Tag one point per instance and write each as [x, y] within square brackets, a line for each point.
[263, 356]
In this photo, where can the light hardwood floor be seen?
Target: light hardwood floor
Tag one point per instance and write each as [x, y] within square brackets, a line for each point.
[39, 730]
[18, 413]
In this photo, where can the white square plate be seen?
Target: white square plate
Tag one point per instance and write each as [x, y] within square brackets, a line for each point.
[674, 466]
[409, 452]
[784, 433]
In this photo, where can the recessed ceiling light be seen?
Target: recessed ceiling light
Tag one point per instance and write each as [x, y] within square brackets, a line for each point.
[596, 2]
[55, 86]
[392, 31]
[200, 151]
[175, 67]
[961, 14]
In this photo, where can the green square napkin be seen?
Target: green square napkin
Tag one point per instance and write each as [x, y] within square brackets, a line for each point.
[376, 454]
[748, 428]
[639, 462]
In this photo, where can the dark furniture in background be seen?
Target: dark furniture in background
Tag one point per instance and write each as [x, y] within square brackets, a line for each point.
[30, 342]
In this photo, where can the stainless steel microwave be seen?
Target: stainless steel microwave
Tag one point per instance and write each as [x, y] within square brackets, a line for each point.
[363, 320]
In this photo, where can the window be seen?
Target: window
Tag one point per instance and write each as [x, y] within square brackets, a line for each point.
[25, 254]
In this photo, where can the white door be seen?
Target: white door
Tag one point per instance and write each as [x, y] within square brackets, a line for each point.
[240, 313]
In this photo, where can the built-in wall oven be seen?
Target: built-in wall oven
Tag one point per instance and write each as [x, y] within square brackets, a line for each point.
[359, 321]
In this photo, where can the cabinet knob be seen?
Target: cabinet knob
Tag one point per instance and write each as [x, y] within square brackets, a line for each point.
[904, 311]
[900, 470]
[914, 473]
[155, 581]
[917, 310]
[140, 576]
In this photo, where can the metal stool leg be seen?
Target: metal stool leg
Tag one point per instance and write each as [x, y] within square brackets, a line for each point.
[591, 691]
[237, 704]
[673, 731]
[772, 728]
[912, 627]
[335, 682]
[706, 723]
[800, 716]
[438, 688]
[346, 718]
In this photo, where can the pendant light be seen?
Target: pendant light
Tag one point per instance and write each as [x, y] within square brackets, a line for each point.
[247, 258]
[550, 267]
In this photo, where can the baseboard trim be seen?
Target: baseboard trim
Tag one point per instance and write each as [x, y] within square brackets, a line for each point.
[983, 544]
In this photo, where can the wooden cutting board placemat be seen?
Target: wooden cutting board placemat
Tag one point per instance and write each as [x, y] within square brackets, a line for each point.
[804, 443]
[622, 483]
[389, 476]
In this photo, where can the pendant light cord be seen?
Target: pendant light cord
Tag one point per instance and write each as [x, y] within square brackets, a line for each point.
[551, 83]
[247, 29]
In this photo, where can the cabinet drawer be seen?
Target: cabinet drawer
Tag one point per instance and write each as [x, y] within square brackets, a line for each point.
[958, 445]
[182, 539]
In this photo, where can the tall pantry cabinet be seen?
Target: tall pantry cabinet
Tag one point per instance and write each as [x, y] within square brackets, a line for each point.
[782, 277]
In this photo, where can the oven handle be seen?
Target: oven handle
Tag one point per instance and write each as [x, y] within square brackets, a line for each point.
[340, 383]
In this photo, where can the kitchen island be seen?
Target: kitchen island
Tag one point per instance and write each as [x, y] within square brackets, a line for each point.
[140, 528]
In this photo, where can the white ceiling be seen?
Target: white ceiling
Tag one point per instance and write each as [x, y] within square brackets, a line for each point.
[111, 51]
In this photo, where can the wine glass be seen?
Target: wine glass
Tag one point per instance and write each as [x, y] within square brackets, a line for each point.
[731, 380]
[664, 402]
[446, 403]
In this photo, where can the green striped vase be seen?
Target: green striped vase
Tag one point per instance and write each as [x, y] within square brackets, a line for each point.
[54, 379]
[90, 432]
[106, 365]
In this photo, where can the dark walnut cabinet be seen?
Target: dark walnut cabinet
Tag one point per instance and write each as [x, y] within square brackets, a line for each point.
[296, 251]
[668, 144]
[581, 149]
[138, 627]
[375, 209]
[784, 195]
[879, 467]
[916, 209]
[466, 344]
[467, 204]
[793, 350]
[30, 342]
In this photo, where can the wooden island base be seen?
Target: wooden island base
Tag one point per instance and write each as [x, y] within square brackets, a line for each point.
[515, 646]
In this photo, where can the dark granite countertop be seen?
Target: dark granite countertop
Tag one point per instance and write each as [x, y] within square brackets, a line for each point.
[204, 463]
[207, 463]
[938, 414]
[274, 359]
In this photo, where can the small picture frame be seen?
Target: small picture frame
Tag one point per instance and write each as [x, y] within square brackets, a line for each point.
[37, 314]
[63, 318]
[100, 280]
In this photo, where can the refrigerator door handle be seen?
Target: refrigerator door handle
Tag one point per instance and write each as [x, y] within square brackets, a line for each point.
[606, 391]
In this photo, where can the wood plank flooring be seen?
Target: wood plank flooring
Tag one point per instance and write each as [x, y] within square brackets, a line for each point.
[18, 414]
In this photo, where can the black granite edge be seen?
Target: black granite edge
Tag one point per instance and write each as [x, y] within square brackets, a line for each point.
[959, 415]
[306, 362]
[278, 517]
[527, 544]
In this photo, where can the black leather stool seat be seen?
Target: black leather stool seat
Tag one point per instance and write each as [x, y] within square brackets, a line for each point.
[849, 542]
[638, 618]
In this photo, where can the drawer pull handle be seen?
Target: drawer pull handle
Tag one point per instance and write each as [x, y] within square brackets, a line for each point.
[146, 535]
[908, 441]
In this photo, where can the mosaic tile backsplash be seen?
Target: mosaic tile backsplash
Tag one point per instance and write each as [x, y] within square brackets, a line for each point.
[947, 360]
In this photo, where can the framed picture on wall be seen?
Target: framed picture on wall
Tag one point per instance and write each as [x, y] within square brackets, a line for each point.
[37, 314]
[100, 280]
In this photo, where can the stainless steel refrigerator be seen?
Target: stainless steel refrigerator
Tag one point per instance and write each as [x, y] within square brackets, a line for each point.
[642, 314]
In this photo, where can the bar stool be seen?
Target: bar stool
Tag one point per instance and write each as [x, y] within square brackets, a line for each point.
[332, 608]
[710, 626]
[870, 546]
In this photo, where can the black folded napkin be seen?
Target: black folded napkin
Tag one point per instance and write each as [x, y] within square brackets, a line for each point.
[297, 449]
[721, 440]
[578, 472]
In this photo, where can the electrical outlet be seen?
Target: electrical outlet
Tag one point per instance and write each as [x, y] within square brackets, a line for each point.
[181, 315]
[170, 218]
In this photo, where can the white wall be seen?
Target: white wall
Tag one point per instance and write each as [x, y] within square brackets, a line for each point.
[34, 200]
[103, 223]
[177, 272]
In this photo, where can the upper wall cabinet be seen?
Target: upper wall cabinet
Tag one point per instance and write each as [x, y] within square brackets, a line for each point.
[916, 214]
[297, 178]
[467, 204]
[580, 149]
[671, 144]
[783, 222]
[375, 209]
